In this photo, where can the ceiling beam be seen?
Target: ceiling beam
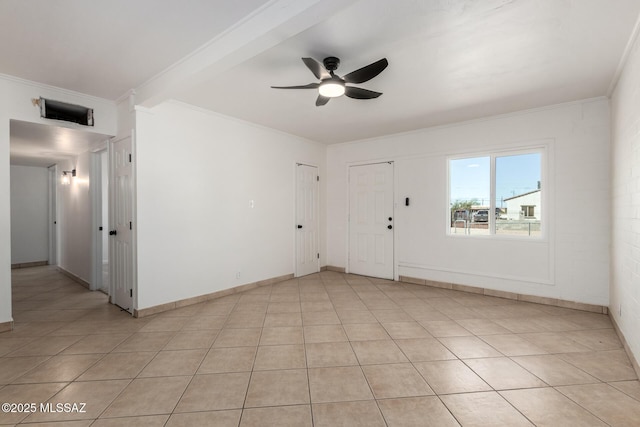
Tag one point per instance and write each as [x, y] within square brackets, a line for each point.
[265, 28]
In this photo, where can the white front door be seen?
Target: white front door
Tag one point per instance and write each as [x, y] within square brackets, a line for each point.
[307, 209]
[371, 220]
[121, 225]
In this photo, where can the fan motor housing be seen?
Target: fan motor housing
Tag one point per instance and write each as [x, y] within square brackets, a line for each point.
[331, 63]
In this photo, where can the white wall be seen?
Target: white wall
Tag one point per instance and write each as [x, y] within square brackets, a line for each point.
[5, 212]
[571, 262]
[74, 219]
[29, 214]
[15, 103]
[625, 206]
[196, 175]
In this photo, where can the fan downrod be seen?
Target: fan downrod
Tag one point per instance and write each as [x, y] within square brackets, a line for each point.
[331, 63]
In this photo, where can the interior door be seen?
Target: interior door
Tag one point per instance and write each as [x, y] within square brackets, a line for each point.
[121, 225]
[307, 210]
[371, 220]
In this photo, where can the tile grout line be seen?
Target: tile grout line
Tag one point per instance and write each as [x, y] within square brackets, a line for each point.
[361, 288]
[253, 365]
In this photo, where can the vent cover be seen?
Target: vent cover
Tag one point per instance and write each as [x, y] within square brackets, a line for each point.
[57, 110]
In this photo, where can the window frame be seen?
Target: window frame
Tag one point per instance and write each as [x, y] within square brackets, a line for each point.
[528, 209]
[542, 150]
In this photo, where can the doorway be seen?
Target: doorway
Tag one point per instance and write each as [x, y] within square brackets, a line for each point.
[68, 204]
[52, 216]
[371, 227]
[100, 223]
[307, 212]
[104, 213]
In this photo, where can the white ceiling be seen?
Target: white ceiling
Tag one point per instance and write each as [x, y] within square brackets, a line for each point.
[102, 49]
[105, 48]
[449, 60]
[33, 144]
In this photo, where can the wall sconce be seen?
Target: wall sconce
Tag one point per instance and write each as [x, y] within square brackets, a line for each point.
[66, 176]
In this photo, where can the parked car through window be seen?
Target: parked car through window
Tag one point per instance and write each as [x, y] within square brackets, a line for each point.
[481, 216]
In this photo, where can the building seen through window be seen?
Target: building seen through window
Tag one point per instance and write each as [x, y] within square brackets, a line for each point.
[514, 199]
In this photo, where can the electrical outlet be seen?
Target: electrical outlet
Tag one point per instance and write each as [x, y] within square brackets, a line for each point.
[238, 275]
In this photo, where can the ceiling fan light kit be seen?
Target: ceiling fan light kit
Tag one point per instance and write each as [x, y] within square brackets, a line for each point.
[333, 86]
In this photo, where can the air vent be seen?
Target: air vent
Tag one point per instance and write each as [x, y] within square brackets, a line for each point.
[56, 110]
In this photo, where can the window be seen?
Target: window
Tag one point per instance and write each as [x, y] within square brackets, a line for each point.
[508, 185]
[528, 211]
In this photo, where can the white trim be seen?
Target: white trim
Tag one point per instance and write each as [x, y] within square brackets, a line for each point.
[537, 146]
[100, 145]
[69, 92]
[265, 27]
[229, 118]
[52, 216]
[131, 96]
[95, 193]
[395, 222]
[134, 218]
[547, 282]
[633, 39]
[472, 122]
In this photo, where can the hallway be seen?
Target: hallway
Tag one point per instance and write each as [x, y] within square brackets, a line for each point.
[328, 349]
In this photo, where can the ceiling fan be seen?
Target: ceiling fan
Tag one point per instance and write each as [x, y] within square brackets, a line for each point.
[332, 86]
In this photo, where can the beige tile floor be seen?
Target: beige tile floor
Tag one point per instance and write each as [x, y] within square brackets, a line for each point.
[324, 350]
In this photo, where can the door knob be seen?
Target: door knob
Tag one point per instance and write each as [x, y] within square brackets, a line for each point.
[299, 226]
[389, 227]
[113, 232]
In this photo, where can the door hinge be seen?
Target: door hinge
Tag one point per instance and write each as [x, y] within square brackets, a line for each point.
[317, 177]
[318, 256]
[130, 226]
[131, 293]
[129, 157]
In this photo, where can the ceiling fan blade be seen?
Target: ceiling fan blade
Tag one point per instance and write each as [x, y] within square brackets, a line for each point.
[367, 72]
[359, 93]
[322, 100]
[309, 86]
[316, 68]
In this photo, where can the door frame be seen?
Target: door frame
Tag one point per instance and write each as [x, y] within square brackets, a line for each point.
[95, 179]
[295, 215]
[395, 274]
[53, 215]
